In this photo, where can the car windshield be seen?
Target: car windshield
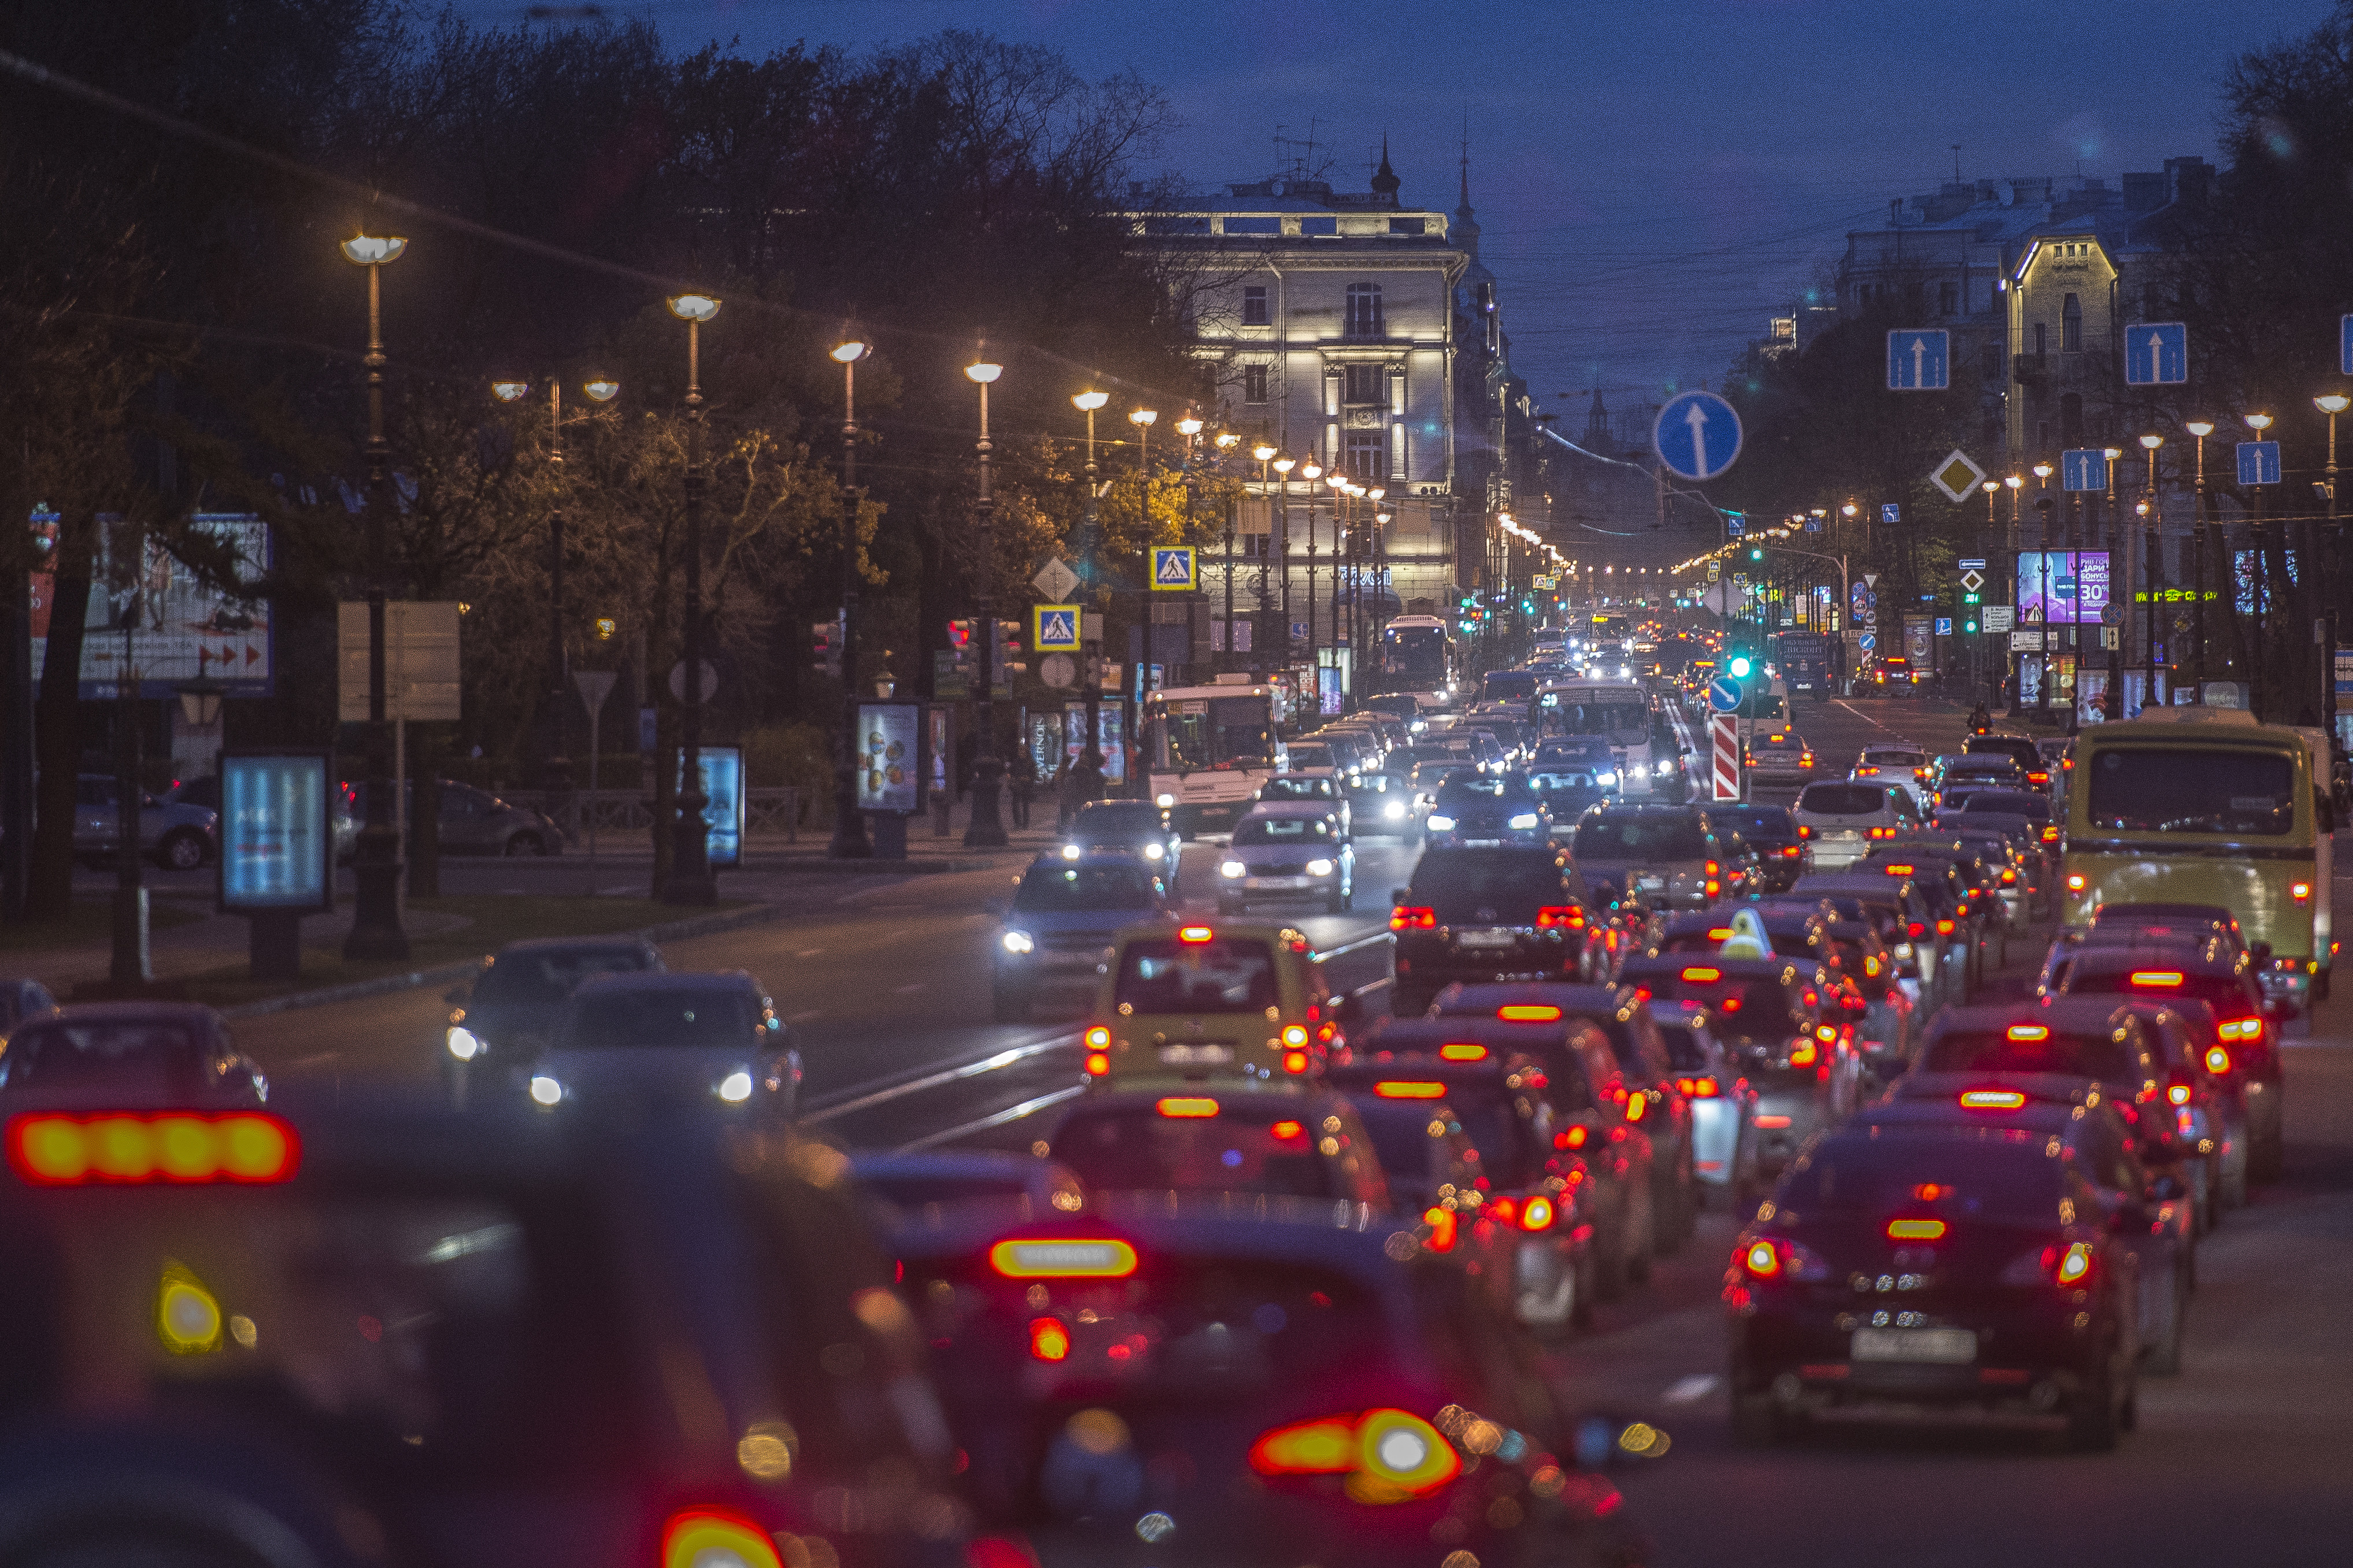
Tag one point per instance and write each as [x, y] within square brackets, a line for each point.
[1295, 789]
[542, 977]
[1251, 830]
[1842, 800]
[2002, 1175]
[1766, 822]
[2029, 1048]
[1049, 887]
[2172, 978]
[1684, 1051]
[126, 1057]
[684, 1016]
[1546, 780]
[1626, 719]
[1476, 789]
[1125, 816]
[1663, 837]
[1139, 1150]
[2149, 789]
[1465, 881]
[1224, 975]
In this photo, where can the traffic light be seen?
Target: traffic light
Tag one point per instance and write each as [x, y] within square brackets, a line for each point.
[1738, 666]
[1756, 556]
[825, 637]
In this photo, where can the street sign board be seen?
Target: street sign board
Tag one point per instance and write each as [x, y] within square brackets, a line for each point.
[1868, 642]
[1970, 565]
[2345, 345]
[1714, 570]
[1943, 626]
[1870, 579]
[1971, 582]
[1696, 435]
[1055, 580]
[2083, 469]
[2112, 613]
[1054, 628]
[1919, 360]
[2028, 639]
[420, 659]
[1956, 476]
[2000, 617]
[1723, 694]
[2259, 463]
[1724, 748]
[1813, 523]
[2157, 353]
[1889, 512]
[1172, 569]
[1734, 525]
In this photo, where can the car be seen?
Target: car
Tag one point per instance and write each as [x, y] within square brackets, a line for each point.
[1956, 777]
[1782, 853]
[1136, 827]
[1486, 812]
[21, 999]
[510, 1007]
[2007, 845]
[1489, 914]
[1839, 822]
[1208, 1001]
[1888, 1032]
[2032, 805]
[1904, 766]
[1287, 851]
[1567, 792]
[1952, 880]
[1723, 1102]
[2007, 1290]
[361, 1327]
[1670, 856]
[1063, 917]
[2163, 922]
[175, 837]
[147, 1056]
[2021, 748]
[1902, 915]
[1227, 1135]
[1325, 789]
[638, 1041]
[1021, 1187]
[1268, 1384]
[1778, 759]
[1381, 801]
[468, 821]
[2210, 1152]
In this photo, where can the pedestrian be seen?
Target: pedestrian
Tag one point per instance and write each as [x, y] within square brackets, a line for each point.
[1025, 782]
[1089, 775]
[1067, 798]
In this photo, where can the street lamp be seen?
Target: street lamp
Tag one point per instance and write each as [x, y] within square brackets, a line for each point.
[1281, 545]
[690, 857]
[849, 841]
[2201, 429]
[2331, 404]
[375, 930]
[1090, 679]
[987, 829]
[2152, 565]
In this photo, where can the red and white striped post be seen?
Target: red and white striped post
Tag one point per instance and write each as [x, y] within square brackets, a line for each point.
[1724, 732]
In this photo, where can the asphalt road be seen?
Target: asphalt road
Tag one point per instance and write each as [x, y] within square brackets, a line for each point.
[2242, 1458]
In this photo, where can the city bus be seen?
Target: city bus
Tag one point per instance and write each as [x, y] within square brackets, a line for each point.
[1622, 712]
[1418, 656]
[1207, 750]
[2204, 805]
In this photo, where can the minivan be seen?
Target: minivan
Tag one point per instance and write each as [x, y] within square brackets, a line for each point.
[1842, 821]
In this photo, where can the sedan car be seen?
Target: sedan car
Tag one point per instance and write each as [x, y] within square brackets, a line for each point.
[1287, 850]
[1906, 766]
[1958, 777]
[128, 1055]
[511, 1005]
[1222, 1137]
[637, 1041]
[1668, 857]
[1061, 924]
[1782, 853]
[1485, 813]
[1136, 827]
[1328, 790]
[1839, 822]
[177, 837]
[1780, 759]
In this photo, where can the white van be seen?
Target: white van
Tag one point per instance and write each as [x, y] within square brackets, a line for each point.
[1840, 822]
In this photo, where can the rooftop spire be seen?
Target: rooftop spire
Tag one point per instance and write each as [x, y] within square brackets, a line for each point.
[1385, 181]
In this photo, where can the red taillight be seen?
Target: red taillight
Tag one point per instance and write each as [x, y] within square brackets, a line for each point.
[2249, 1029]
[1804, 1053]
[1703, 974]
[1098, 1038]
[1916, 929]
[1712, 869]
[1944, 928]
[1804, 831]
[1048, 1341]
[1573, 1138]
[1866, 773]
[2038, 778]
[707, 1537]
[2167, 978]
[1528, 1013]
[1392, 1088]
[1762, 1259]
[1307, 1448]
[1463, 1051]
[1098, 1064]
[1413, 917]
[2299, 891]
[2176, 1093]
[1567, 917]
[1915, 1230]
[1194, 934]
[243, 1146]
[1284, 1131]
[1189, 1107]
[1697, 1087]
[2218, 1060]
[1789, 852]
[1772, 1122]
[1537, 1214]
[2027, 1032]
[1898, 870]
[1991, 1100]
[2072, 1267]
[2075, 881]
[1637, 1107]
[1058, 1258]
[2051, 834]
[1440, 1222]
[1295, 1062]
[1389, 1456]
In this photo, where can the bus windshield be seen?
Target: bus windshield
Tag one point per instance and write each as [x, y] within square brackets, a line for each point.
[2166, 789]
[1208, 732]
[1624, 719]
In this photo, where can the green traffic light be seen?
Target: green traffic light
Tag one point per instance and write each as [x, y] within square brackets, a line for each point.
[1739, 667]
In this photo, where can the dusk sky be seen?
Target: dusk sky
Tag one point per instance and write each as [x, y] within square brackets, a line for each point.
[1655, 179]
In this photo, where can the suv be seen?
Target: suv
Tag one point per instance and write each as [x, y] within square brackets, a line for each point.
[1488, 811]
[1062, 921]
[176, 835]
[1488, 914]
[1668, 857]
[1902, 765]
[2020, 749]
[510, 1006]
[1959, 776]
[1842, 821]
[1136, 827]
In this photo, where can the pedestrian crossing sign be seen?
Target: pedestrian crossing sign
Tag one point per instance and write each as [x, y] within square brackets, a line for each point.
[1054, 628]
[1172, 569]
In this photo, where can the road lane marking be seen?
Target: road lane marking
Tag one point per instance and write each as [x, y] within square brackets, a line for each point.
[1010, 1113]
[1692, 1389]
[808, 953]
[909, 990]
[993, 1062]
[804, 1017]
[1866, 717]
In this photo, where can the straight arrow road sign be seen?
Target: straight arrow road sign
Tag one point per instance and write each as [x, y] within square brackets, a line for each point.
[1696, 435]
[1919, 360]
[2157, 353]
[2083, 469]
[2259, 463]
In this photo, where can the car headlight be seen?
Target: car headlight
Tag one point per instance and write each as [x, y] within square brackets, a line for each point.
[545, 1090]
[1155, 852]
[1163, 801]
[1441, 824]
[735, 1087]
[1232, 868]
[464, 1045]
[1319, 868]
[1604, 778]
[1018, 942]
[1394, 811]
[1525, 819]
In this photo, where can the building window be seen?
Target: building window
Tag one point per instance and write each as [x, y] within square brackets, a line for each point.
[1364, 318]
[1362, 384]
[1368, 458]
[2040, 340]
[1254, 306]
[1992, 361]
[1254, 384]
[1948, 298]
[2071, 326]
[2071, 419]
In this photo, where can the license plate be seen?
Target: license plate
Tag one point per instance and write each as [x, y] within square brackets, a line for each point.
[1843, 833]
[1485, 938]
[1948, 1347]
[1269, 882]
[1650, 884]
[1196, 1056]
[1483, 844]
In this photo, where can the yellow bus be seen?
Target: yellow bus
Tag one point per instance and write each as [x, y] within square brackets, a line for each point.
[2204, 805]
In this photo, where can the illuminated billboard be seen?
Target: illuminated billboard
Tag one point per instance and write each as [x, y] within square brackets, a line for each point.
[2062, 587]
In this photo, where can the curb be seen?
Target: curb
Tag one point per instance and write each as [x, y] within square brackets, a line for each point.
[807, 864]
[668, 931]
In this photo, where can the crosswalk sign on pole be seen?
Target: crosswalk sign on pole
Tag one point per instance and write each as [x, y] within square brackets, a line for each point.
[1919, 360]
[2157, 353]
[1172, 569]
[1054, 628]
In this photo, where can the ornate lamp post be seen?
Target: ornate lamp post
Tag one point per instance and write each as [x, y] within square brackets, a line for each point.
[2260, 424]
[1089, 548]
[2201, 429]
[1281, 545]
[2152, 565]
[849, 841]
[2331, 404]
[1227, 441]
[375, 860]
[987, 829]
[1189, 428]
[690, 858]
[1142, 418]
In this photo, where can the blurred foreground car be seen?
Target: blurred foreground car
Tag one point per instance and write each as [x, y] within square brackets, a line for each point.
[20, 999]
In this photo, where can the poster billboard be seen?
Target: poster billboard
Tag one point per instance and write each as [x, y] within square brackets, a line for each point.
[2062, 587]
[890, 772]
[277, 838]
[721, 769]
[182, 628]
[1108, 724]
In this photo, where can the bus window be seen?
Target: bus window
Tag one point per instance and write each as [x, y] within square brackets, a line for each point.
[2174, 790]
[1625, 719]
[1213, 732]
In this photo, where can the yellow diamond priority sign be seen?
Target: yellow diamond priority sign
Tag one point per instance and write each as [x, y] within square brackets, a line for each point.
[1958, 477]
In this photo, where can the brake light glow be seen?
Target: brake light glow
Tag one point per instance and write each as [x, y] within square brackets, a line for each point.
[1916, 929]
[1762, 1260]
[2299, 891]
[1573, 1138]
[2028, 1032]
[1805, 1053]
[1284, 1131]
[1194, 934]
[1187, 1107]
[2050, 835]
[2074, 1267]
[1564, 917]
[1048, 1341]
[1098, 1038]
[1825, 1033]
[1899, 871]
[2075, 881]
[1719, 934]
[1991, 1100]
[1537, 1214]
[709, 1537]
[1106, 1258]
[1098, 1064]
[1295, 1062]
[1915, 1230]
[1389, 1456]
[1700, 973]
[2218, 1060]
[1772, 1123]
[1413, 917]
[1866, 773]
[1463, 1051]
[1394, 1089]
[1637, 1107]
[1306, 1449]
[2241, 1029]
[183, 1147]
[1944, 928]
[2165, 977]
[2177, 1093]
[1697, 1087]
[1294, 1036]
[1440, 1222]
[1528, 1013]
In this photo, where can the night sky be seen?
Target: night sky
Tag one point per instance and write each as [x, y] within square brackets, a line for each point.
[1655, 178]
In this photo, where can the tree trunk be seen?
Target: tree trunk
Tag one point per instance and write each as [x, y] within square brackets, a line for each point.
[57, 720]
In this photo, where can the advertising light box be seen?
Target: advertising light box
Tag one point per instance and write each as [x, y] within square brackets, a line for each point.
[722, 772]
[2069, 587]
[890, 777]
[276, 836]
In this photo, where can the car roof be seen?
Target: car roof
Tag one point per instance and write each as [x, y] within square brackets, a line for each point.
[1288, 809]
[2074, 1014]
[532, 944]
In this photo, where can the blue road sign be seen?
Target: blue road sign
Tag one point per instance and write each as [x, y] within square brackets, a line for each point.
[1943, 626]
[1723, 694]
[2345, 344]
[2157, 353]
[1919, 360]
[1867, 641]
[1889, 512]
[2083, 469]
[1813, 523]
[1172, 569]
[2259, 463]
[1735, 524]
[1696, 435]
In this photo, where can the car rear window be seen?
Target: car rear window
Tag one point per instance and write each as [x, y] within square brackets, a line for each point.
[1139, 1150]
[541, 978]
[1895, 759]
[1739, 1008]
[1162, 974]
[1610, 837]
[1304, 756]
[1511, 883]
[685, 1018]
[1071, 889]
[2005, 1178]
[126, 1057]
[1772, 822]
[1842, 800]
[2226, 993]
[1282, 830]
[2012, 802]
[2012, 1050]
[1406, 1136]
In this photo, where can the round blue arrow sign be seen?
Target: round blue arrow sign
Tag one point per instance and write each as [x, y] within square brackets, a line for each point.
[1698, 436]
[1723, 694]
